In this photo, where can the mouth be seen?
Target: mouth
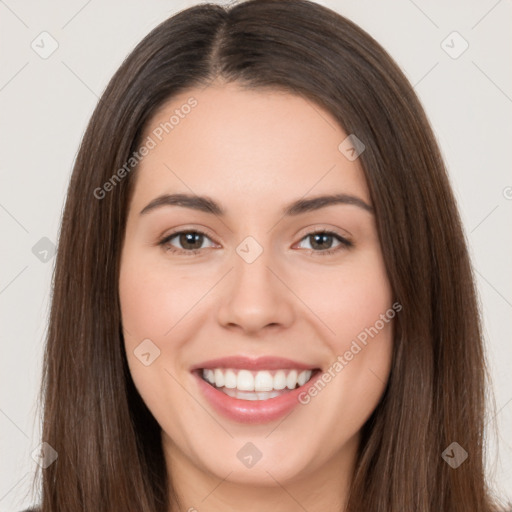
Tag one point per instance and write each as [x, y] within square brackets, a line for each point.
[251, 385]
[253, 390]
[253, 406]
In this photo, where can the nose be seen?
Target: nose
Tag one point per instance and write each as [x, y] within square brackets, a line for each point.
[255, 296]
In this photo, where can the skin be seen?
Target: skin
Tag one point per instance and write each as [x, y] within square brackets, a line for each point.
[254, 152]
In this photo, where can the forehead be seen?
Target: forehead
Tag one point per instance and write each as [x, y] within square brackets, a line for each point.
[246, 145]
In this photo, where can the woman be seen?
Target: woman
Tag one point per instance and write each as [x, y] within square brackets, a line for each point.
[256, 372]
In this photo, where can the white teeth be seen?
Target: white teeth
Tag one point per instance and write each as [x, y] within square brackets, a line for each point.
[280, 380]
[303, 378]
[291, 380]
[263, 382]
[209, 376]
[248, 395]
[244, 381]
[219, 378]
[259, 382]
[230, 379]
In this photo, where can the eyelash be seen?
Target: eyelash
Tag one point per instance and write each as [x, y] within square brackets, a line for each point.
[345, 244]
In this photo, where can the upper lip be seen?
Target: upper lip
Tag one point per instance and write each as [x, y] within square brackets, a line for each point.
[258, 363]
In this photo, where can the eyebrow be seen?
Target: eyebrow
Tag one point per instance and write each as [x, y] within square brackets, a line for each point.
[208, 205]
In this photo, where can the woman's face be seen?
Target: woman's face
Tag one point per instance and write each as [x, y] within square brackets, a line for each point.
[258, 286]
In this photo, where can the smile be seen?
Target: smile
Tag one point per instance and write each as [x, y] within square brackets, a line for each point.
[245, 384]
[253, 390]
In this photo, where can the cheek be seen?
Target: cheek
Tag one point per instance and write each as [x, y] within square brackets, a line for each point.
[355, 303]
[151, 306]
[348, 299]
[361, 308]
[364, 325]
[146, 301]
[153, 300]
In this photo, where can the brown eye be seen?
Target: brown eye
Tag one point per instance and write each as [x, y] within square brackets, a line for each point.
[322, 242]
[190, 242]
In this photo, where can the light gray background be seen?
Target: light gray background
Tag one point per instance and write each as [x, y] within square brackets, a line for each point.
[46, 103]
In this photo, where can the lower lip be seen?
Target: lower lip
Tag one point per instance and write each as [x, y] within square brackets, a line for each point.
[253, 411]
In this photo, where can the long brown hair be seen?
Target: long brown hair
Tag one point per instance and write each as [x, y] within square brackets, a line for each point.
[109, 447]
